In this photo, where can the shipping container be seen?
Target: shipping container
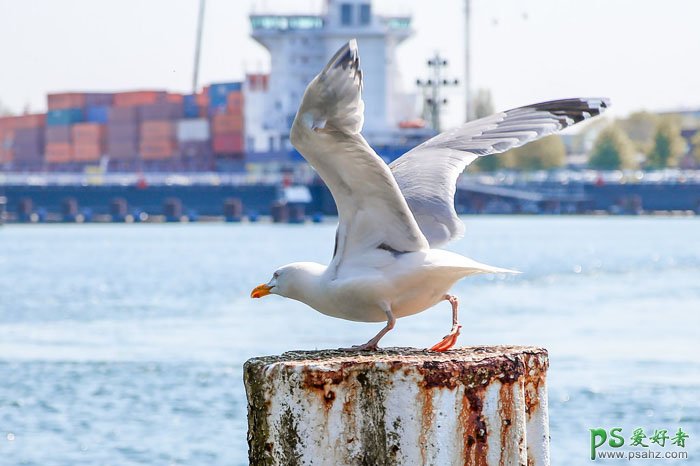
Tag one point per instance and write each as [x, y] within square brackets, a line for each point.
[58, 133]
[65, 100]
[123, 132]
[190, 108]
[90, 133]
[227, 143]
[225, 124]
[174, 97]
[59, 152]
[156, 149]
[121, 150]
[99, 99]
[97, 113]
[193, 130]
[124, 115]
[86, 152]
[218, 94]
[157, 129]
[64, 116]
[234, 103]
[28, 136]
[129, 99]
[28, 144]
[22, 121]
[161, 111]
[6, 155]
[194, 149]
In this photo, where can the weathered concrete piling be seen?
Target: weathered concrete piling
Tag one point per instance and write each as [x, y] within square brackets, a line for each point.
[478, 406]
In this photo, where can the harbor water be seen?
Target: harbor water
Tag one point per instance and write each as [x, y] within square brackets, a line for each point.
[124, 344]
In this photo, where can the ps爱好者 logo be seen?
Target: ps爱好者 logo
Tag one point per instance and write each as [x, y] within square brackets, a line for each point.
[660, 444]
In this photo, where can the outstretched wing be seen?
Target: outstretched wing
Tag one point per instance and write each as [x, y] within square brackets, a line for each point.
[427, 174]
[373, 215]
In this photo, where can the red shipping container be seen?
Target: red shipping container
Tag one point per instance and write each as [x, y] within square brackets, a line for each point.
[228, 143]
[227, 124]
[59, 152]
[174, 98]
[66, 100]
[234, 103]
[23, 121]
[202, 99]
[129, 99]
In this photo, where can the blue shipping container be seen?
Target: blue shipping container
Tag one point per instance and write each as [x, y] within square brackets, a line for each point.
[190, 109]
[97, 113]
[219, 92]
[64, 116]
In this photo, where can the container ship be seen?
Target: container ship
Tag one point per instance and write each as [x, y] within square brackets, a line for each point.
[224, 125]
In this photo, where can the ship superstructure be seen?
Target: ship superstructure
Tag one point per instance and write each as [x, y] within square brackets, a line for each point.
[299, 47]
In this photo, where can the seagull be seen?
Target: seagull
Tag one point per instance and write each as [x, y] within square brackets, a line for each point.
[393, 219]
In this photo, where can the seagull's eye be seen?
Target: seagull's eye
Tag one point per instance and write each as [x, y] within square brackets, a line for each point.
[275, 275]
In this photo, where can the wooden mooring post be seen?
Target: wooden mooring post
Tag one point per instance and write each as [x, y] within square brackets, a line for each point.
[481, 406]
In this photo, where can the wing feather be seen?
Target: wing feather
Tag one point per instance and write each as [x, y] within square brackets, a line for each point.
[372, 212]
[427, 175]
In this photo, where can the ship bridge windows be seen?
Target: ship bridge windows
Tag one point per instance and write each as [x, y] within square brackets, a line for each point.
[365, 14]
[283, 23]
[346, 14]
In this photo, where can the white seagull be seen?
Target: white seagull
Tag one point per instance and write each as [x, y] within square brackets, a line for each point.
[392, 218]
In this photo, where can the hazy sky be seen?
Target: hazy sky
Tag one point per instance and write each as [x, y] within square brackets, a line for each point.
[640, 53]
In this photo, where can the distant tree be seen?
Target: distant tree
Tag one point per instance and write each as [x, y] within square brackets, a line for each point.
[668, 145]
[695, 142]
[483, 103]
[612, 150]
[4, 111]
[640, 128]
[483, 107]
[542, 154]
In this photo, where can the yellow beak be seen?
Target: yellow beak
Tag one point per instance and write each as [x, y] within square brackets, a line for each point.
[260, 291]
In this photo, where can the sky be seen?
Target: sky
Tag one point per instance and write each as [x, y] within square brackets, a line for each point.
[642, 54]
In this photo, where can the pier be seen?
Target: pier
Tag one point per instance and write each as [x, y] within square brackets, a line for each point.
[482, 406]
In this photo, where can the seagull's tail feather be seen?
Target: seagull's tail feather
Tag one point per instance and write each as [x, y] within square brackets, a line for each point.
[474, 267]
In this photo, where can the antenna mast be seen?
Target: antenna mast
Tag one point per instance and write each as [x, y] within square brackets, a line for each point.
[198, 47]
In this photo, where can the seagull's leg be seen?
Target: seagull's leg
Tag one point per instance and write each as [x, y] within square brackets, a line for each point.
[372, 344]
[451, 338]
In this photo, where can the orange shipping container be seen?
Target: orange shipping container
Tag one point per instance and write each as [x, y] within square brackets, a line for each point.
[227, 124]
[59, 152]
[91, 133]
[86, 152]
[157, 150]
[130, 99]
[66, 100]
[157, 129]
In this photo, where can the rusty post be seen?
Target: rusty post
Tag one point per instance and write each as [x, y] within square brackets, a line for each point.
[481, 406]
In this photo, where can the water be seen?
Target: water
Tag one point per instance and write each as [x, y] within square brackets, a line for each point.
[124, 344]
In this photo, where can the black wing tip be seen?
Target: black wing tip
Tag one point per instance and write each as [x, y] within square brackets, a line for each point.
[576, 109]
[347, 55]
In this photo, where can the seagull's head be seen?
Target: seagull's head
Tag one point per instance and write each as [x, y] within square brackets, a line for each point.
[293, 281]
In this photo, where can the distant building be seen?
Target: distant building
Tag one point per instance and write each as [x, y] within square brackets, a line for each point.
[300, 46]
